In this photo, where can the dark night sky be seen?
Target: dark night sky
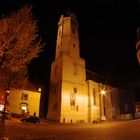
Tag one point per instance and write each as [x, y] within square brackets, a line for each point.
[107, 30]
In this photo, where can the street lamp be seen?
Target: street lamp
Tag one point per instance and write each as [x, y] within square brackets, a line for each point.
[102, 108]
[39, 89]
[103, 91]
[5, 103]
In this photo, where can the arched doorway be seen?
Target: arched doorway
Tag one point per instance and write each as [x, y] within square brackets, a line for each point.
[24, 107]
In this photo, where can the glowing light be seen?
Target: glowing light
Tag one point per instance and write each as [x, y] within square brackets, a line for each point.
[7, 91]
[1, 107]
[39, 89]
[24, 108]
[103, 92]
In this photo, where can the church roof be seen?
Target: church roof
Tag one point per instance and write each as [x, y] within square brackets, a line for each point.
[90, 75]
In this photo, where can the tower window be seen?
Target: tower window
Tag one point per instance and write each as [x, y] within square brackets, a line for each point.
[75, 69]
[73, 45]
[77, 108]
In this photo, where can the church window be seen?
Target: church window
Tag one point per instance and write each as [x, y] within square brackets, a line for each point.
[72, 100]
[99, 87]
[104, 104]
[75, 90]
[94, 96]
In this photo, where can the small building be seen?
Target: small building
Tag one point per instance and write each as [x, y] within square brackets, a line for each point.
[23, 101]
[1, 103]
[2, 98]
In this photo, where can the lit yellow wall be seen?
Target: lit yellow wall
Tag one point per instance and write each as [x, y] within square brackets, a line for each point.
[72, 66]
[73, 76]
[33, 101]
[81, 100]
[95, 111]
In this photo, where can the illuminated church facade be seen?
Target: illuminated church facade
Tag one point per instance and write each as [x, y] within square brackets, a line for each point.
[73, 98]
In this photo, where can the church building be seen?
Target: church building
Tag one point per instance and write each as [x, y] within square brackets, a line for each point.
[73, 98]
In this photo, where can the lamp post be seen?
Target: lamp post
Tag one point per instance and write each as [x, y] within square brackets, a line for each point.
[39, 89]
[102, 112]
[5, 103]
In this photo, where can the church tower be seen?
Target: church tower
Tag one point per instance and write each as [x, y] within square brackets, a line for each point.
[68, 98]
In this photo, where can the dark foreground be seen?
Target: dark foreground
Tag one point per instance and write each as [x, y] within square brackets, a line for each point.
[16, 130]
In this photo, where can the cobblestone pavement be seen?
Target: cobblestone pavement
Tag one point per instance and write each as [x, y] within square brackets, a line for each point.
[121, 130]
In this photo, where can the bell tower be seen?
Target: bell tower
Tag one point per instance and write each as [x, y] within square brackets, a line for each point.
[67, 36]
[68, 75]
